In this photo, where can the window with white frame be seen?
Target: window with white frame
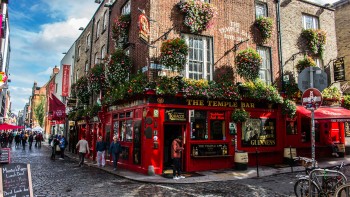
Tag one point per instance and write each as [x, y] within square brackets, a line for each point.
[96, 58]
[86, 67]
[260, 9]
[103, 52]
[200, 60]
[126, 9]
[265, 69]
[310, 22]
[88, 42]
[98, 29]
[105, 20]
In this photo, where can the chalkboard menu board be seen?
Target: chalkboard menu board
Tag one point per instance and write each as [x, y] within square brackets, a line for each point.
[5, 155]
[209, 150]
[16, 180]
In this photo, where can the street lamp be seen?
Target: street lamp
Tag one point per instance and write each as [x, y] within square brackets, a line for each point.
[81, 28]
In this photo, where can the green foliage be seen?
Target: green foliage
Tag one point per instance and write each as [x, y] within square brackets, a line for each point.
[332, 93]
[198, 15]
[307, 61]
[289, 108]
[240, 115]
[264, 25]
[82, 90]
[224, 74]
[347, 101]
[39, 111]
[315, 40]
[173, 54]
[118, 68]
[248, 64]
[97, 79]
[120, 29]
[259, 90]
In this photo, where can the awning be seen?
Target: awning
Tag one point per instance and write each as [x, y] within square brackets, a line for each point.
[335, 114]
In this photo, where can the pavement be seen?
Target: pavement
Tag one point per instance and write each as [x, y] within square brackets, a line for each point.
[209, 176]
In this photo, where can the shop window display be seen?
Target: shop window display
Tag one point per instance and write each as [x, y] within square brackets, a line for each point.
[217, 130]
[291, 127]
[199, 125]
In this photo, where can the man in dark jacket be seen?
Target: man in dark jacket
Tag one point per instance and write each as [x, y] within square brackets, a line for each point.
[115, 149]
[101, 147]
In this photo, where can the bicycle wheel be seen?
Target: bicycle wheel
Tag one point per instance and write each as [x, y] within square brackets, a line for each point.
[301, 188]
[343, 191]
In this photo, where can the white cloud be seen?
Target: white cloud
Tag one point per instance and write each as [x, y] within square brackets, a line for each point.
[323, 2]
[47, 72]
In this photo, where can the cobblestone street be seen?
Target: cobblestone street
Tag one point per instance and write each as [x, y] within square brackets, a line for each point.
[65, 178]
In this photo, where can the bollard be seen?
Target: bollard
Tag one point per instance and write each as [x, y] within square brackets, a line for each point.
[291, 158]
[257, 161]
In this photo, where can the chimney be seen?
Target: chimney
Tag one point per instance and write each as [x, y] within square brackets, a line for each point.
[56, 70]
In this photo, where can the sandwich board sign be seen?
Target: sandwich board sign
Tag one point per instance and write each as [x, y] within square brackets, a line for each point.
[16, 180]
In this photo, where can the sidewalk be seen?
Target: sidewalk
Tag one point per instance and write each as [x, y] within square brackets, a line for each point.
[207, 176]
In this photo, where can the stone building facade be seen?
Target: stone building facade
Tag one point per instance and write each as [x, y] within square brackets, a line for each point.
[294, 17]
[342, 21]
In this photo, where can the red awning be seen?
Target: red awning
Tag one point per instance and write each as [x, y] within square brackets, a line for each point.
[6, 126]
[336, 114]
[56, 108]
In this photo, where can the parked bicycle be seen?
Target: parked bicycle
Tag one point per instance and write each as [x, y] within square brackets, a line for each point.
[320, 182]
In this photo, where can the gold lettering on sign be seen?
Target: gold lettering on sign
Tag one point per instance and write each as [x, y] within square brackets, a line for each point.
[247, 105]
[176, 116]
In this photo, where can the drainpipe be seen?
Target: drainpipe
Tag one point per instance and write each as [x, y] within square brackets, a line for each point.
[279, 37]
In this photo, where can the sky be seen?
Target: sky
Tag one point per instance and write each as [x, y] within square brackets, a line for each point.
[40, 31]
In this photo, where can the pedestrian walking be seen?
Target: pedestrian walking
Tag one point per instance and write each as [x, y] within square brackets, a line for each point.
[176, 150]
[83, 149]
[23, 138]
[10, 139]
[63, 145]
[54, 144]
[30, 140]
[101, 147]
[115, 149]
[17, 140]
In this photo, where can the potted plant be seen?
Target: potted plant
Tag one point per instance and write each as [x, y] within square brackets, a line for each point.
[331, 96]
[307, 61]
[240, 115]
[118, 68]
[248, 64]
[315, 40]
[198, 15]
[173, 54]
[346, 103]
[289, 108]
[264, 25]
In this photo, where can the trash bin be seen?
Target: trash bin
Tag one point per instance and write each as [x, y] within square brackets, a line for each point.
[287, 158]
[241, 160]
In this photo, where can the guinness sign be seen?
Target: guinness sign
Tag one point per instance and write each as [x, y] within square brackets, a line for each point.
[175, 115]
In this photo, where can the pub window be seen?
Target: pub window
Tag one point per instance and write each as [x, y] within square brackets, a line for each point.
[126, 8]
[88, 42]
[115, 116]
[128, 131]
[129, 114]
[96, 58]
[347, 129]
[260, 9]
[200, 60]
[305, 129]
[98, 29]
[217, 130]
[105, 20]
[116, 129]
[291, 127]
[265, 69]
[122, 125]
[199, 125]
[86, 67]
[103, 52]
[310, 22]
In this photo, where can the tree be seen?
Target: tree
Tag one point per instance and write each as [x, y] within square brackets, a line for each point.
[39, 111]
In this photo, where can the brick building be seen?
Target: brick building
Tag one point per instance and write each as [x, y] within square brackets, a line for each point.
[342, 19]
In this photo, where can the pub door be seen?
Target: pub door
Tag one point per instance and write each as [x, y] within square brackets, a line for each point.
[170, 133]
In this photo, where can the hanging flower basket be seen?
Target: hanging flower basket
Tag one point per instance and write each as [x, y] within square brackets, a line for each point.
[307, 61]
[118, 68]
[248, 64]
[224, 74]
[198, 15]
[264, 25]
[289, 108]
[173, 54]
[120, 28]
[331, 96]
[97, 79]
[82, 90]
[240, 115]
[315, 40]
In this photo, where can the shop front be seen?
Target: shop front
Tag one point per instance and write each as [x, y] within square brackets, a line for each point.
[330, 125]
[147, 127]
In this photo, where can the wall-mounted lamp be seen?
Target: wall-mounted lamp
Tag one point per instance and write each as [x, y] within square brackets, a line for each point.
[81, 28]
[107, 5]
[97, 1]
[64, 53]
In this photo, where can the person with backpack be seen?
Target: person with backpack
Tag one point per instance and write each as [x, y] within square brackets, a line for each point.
[115, 149]
[63, 144]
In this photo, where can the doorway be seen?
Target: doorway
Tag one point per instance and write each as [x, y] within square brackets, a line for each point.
[170, 133]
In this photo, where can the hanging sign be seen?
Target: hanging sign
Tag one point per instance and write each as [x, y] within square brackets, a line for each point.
[339, 69]
[143, 27]
[65, 80]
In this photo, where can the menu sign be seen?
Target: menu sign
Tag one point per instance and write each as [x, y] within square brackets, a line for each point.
[339, 70]
[16, 180]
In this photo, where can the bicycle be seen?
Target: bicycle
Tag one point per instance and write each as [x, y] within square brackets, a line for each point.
[343, 191]
[320, 182]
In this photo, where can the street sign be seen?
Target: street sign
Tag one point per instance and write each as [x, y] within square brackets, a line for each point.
[311, 99]
[320, 79]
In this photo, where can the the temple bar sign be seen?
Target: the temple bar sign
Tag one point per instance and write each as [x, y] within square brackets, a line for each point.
[339, 69]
